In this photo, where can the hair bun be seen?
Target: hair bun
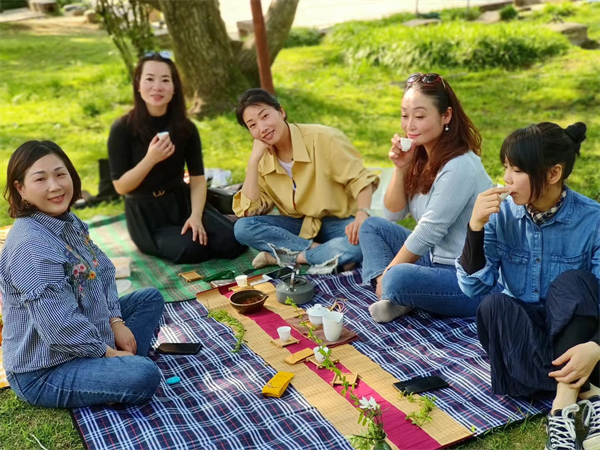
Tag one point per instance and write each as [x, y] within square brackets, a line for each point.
[576, 133]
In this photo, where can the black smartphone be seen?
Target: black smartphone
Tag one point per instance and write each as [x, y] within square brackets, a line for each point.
[421, 384]
[175, 348]
[277, 274]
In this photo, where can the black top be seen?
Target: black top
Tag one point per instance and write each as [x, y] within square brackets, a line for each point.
[473, 254]
[125, 151]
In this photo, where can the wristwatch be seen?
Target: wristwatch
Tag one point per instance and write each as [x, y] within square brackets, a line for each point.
[365, 210]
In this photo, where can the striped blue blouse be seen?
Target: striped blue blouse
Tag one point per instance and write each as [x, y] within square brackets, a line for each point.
[444, 212]
[58, 291]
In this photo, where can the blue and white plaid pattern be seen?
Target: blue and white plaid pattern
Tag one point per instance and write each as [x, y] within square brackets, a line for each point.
[52, 316]
[217, 405]
[420, 345]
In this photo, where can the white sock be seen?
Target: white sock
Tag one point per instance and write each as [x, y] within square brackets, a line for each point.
[385, 311]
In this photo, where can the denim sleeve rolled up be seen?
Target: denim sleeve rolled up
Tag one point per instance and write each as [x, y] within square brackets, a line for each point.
[58, 292]
[525, 258]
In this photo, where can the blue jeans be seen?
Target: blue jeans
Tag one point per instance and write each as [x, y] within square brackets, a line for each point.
[282, 233]
[93, 381]
[430, 286]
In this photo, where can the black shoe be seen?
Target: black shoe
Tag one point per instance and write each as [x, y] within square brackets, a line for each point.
[561, 429]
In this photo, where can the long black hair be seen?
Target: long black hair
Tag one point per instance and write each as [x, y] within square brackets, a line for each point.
[138, 119]
[537, 148]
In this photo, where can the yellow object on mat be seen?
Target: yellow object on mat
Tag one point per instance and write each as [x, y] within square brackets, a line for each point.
[278, 384]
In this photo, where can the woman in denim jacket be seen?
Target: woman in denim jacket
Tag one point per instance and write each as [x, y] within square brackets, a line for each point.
[542, 246]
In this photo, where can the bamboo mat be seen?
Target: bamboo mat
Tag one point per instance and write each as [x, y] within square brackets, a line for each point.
[337, 410]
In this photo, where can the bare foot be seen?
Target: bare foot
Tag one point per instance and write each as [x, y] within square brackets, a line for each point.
[264, 259]
[379, 288]
[349, 266]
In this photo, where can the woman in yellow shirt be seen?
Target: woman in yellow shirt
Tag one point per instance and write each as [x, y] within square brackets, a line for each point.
[316, 179]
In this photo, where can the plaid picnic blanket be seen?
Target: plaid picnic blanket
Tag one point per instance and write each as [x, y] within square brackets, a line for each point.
[421, 345]
[217, 405]
[112, 237]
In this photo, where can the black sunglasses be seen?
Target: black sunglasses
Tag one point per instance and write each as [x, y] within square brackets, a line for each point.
[427, 78]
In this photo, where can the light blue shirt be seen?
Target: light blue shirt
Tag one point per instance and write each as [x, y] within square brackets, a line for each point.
[444, 212]
[58, 292]
[525, 258]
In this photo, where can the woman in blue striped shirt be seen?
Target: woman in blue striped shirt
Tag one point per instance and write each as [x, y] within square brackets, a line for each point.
[436, 179]
[68, 340]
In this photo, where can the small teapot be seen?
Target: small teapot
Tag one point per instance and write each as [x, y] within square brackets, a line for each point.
[315, 314]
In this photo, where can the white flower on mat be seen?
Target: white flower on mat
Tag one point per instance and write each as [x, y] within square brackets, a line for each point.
[368, 404]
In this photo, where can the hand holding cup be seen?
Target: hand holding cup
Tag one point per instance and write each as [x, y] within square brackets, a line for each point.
[400, 152]
[487, 203]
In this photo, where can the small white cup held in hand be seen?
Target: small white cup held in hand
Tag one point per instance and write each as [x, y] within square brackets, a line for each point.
[504, 194]
[242, 280]
[162, 134]
[284, 333]
[406, 144]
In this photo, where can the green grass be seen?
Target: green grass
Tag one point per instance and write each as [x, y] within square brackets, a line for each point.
[70, 87]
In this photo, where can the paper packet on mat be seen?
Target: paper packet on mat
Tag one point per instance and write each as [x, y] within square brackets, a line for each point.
[278, 384]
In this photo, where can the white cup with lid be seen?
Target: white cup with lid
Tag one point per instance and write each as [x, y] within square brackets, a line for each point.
[315, 314]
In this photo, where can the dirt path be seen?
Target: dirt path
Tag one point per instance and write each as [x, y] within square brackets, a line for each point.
[55, 26]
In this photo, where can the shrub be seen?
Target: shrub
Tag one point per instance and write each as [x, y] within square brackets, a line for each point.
[465, 45]
[565, 9]
[303, 37]
[454, 14]
[508, 13]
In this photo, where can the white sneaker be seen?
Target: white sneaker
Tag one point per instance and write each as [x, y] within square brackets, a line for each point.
[591, 419]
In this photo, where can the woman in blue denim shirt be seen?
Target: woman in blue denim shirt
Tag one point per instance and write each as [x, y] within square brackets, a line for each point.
[542, 246]
[68, 340]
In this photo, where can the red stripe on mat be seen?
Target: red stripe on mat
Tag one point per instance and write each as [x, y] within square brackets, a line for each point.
[400, 431]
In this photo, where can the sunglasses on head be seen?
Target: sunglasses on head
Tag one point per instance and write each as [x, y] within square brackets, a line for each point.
[426, 78]
[163, 53]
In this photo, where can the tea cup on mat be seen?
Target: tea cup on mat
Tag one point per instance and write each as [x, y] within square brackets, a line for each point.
[315, 314]
[284, 333]
[318, 355]
[333, 322]
[242, 280]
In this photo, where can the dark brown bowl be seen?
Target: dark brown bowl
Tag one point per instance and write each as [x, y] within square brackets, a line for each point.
[249, 301]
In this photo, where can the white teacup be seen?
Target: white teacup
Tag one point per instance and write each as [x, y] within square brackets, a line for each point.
[242, 280]
[504, 194]
[284, 333]
[406, 144]
[162, 134]
[318, 355]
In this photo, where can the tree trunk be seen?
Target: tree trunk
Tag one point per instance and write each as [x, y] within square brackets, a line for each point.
[204, 54]
[278, 23]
